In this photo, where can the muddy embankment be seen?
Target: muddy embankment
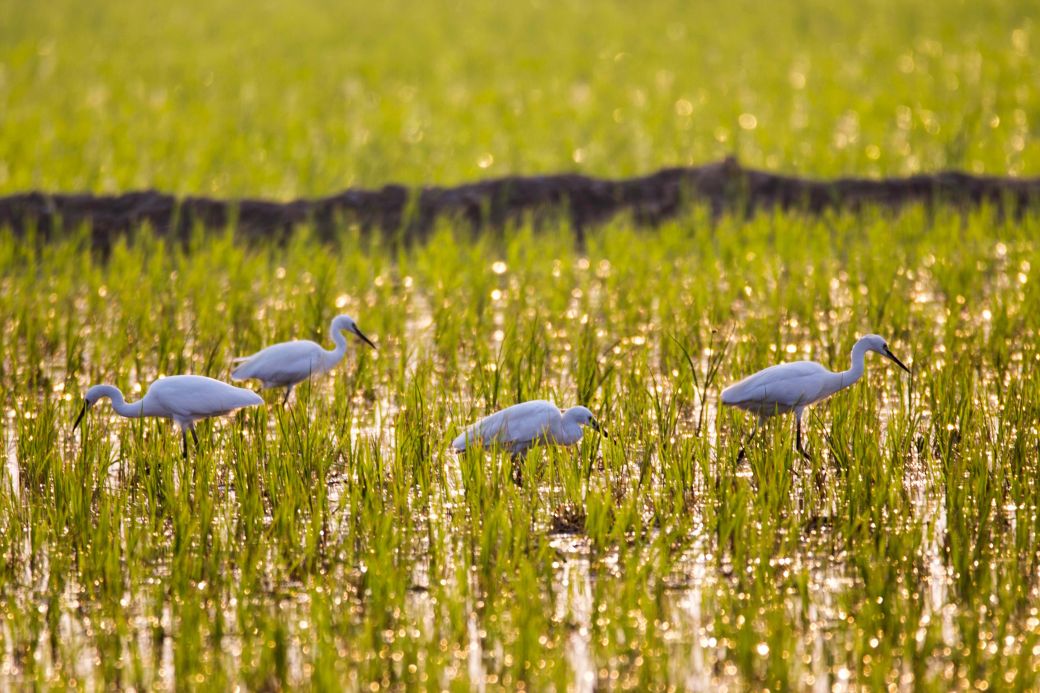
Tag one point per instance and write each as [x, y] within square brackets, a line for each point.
[411, 212]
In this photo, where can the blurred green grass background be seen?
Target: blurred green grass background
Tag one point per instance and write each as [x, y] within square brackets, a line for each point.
[282, 99]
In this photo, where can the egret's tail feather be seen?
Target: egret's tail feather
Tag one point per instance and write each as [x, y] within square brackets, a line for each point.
[241, 373]
[460, 443]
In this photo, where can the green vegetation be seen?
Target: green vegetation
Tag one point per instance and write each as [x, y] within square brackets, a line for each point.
[307, 97]
[337, 542]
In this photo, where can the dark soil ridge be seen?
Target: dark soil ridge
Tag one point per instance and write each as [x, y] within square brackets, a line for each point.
[723, 186]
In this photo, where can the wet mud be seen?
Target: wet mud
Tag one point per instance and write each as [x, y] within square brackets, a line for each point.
[410, 213]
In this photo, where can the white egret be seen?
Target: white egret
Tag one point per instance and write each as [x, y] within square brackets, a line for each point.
[520, 427]
[794, 386]
[183, 398]
[288, 363]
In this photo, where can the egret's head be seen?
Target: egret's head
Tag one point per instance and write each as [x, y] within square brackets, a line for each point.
[877, 343]
[345, 323]
[90, 399]
[583, 417]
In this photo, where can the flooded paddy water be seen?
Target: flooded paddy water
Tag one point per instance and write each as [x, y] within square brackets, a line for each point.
[337, 542]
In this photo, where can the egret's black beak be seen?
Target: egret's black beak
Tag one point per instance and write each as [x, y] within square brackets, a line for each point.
[899, 363]
[594, 425]
[80, 417]
[364, 339]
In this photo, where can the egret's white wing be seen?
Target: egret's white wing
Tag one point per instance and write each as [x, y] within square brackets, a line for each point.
[282, 364]
[780, 388]
[517, 426]
[184, 397]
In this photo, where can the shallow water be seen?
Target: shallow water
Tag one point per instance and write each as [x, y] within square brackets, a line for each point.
[687, 626]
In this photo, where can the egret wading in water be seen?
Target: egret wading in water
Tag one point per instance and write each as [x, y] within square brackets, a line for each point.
[288, 363]
[183, 398]
[794, 386]
[519, 428]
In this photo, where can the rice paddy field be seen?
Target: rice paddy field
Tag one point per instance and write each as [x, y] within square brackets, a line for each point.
[337, 543]
[283, 99]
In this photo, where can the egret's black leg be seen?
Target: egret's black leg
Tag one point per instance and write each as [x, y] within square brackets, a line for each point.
[798, 438]
[741, 455]
[184, 437]
[518, 459]
[518, 469]
[288, 391]
[195, 437]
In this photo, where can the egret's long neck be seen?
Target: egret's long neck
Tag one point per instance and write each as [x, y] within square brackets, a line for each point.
[569, 431]
[859, 351]
[334, 356]
[123, 408]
